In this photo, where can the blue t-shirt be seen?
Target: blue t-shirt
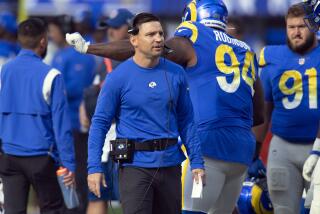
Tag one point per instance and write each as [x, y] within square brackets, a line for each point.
[147, 103]
[291, 82]
[221, 90]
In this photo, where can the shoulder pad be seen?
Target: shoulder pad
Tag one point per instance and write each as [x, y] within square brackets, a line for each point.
[188, 30]
[272, 55]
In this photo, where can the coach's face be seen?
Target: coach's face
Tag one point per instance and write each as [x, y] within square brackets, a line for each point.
[150, 39]
[299, 38]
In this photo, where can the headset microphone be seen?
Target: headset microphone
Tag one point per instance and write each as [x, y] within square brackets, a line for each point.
[167, 50]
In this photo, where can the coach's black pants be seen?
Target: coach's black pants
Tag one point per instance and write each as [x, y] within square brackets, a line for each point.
[18, 173]
[150, 191]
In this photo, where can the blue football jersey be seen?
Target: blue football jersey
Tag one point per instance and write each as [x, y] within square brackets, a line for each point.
[291, 82]
[221, 90]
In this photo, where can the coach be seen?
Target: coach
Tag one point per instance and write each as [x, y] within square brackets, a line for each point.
[149, 99]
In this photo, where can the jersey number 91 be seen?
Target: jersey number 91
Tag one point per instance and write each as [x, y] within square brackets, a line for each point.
[296, 88]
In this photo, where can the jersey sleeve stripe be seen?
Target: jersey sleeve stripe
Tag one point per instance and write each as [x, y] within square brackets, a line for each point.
[47, 84]
[193, 28]
[193, 10]
[262, 61]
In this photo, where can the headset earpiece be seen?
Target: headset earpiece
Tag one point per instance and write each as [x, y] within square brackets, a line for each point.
[133, 31]
[167, 50]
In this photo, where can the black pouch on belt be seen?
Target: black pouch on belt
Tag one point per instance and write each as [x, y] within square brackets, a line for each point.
[122, 150]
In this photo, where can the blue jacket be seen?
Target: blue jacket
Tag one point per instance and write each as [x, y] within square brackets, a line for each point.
[33, 110]
[146, 104]
[78, 71]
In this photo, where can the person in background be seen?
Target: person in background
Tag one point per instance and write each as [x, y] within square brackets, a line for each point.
[8, 37]
[78, 71]
[235, 29]
[34, 125]
[84, 23]
[9, 49]
[289, 75]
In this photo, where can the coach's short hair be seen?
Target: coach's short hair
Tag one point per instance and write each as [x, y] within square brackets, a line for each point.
[140, 19]
[31, 31]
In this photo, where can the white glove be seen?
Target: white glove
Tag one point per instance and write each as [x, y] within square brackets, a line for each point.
[311, 161]
[76, 40]
[315, 205]
[309, 166]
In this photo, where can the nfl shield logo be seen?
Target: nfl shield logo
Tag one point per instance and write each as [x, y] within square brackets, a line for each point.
[301, 61]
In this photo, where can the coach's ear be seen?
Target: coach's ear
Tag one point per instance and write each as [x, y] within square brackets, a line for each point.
[134, 40]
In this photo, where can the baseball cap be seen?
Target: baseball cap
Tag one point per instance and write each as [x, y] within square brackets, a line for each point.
[117, 18]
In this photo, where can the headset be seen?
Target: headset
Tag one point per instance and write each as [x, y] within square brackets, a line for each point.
[132, 25]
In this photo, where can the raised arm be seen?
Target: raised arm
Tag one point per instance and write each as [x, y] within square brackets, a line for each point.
[182, 51]
[119, 50]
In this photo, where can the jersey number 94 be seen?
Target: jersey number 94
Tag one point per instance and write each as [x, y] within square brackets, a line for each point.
[234, 68]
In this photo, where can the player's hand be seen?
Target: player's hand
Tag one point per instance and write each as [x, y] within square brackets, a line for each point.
[197, 173]
[94, 183]
[76, 40]
[257, 169]
[69, 179]
[311, 161]
[309, 166]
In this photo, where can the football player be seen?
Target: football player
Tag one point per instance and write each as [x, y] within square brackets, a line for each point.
[290, 78]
